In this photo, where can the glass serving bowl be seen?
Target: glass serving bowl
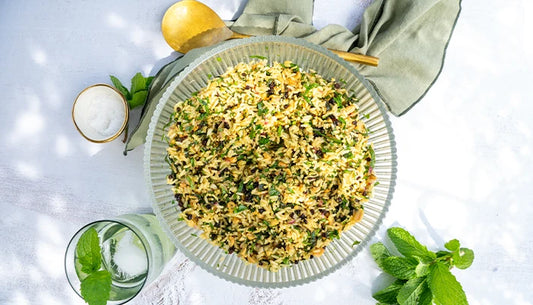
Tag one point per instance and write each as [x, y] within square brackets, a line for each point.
[308, 56]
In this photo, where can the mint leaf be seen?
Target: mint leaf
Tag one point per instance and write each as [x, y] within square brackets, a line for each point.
[452, 245]
[379, 253]
[389, 294]
[148, 81]
[138, 92]
[410, 293]
[96, 287]
[426, 297]
[443, 253]
[408, 245]
[120, 87]
[138, 98]
[138, 83]
[445, 288]
[88, 251]
[400, 267]
[422, 269]
[372, 156]
[463, 258]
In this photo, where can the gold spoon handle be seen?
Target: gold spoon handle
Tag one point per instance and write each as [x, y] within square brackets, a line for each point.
[358, 58]
[236, 35]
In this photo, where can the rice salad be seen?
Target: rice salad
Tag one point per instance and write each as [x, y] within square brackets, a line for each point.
[270, 162]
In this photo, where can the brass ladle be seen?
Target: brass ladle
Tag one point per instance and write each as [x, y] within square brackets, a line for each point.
[189, 24]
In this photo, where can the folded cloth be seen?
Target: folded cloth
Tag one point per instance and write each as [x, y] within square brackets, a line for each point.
[409, 37]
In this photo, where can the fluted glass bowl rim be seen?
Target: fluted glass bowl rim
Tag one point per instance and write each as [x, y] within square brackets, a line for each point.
[265, 39]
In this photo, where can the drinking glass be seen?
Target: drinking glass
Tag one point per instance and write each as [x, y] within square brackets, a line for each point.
[134, 249]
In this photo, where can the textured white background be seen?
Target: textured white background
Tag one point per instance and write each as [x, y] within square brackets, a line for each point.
[464, 152]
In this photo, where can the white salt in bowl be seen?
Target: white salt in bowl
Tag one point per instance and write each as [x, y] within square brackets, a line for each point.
[100, 113]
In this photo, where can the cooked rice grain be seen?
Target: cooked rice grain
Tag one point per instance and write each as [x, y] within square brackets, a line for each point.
[270, 162]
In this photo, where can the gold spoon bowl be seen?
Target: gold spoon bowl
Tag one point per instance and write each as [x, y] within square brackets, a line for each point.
[189, 24]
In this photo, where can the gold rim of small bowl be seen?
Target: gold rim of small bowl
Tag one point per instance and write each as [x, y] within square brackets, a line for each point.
[126, 117]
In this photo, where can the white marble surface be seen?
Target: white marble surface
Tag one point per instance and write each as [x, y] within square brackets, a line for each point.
[464, 152]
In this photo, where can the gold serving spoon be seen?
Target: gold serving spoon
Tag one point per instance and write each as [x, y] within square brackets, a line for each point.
[189, 24]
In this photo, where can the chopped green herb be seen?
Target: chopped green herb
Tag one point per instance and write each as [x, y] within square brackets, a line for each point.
[372, 156]
[273, 192]
[189, 179]
[240, 208]
[257, 56]
[338, 100]
[333, 234]
[264, 141]
[342, 121]
[261, 109]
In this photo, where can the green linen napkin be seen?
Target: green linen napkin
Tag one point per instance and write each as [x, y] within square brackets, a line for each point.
[409, 37]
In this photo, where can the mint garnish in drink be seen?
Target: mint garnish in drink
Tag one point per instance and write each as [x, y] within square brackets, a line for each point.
[96, 285]
[422, 277]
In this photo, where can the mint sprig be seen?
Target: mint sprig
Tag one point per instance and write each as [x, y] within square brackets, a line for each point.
[422, 277]
[137, 94]
[96, 285]
[88, 251]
